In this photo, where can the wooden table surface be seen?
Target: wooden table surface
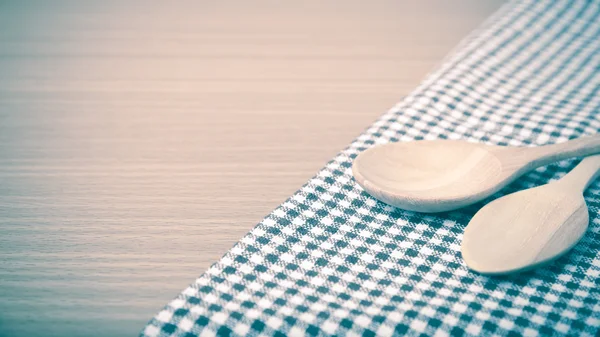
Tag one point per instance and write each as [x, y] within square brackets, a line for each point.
[140, 141]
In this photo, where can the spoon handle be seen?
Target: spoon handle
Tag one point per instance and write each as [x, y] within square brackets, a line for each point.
[580, 147]
[583, 174]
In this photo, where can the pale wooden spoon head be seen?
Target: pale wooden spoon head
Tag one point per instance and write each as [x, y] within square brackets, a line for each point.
[525, 229]
[431, 176]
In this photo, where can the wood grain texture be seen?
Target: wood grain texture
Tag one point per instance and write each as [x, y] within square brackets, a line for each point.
[140, 141]
[532, 227]
[442, 175]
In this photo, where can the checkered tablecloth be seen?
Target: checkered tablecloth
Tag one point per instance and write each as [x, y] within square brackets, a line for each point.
[331, 260]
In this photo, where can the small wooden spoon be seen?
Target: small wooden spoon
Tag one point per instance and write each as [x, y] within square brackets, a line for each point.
[531, 227]
[442, 175]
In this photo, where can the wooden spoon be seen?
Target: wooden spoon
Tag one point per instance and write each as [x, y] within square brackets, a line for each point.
[531, 227]
[442, 175]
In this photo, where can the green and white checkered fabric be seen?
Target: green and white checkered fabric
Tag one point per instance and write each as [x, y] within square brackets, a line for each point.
[331, 260]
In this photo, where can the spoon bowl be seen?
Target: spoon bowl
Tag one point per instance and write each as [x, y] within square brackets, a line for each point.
[524, 230]
[532, 227]
[429, 176]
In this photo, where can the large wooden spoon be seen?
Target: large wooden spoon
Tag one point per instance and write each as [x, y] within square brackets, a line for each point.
[442, 175]
[531, 227]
